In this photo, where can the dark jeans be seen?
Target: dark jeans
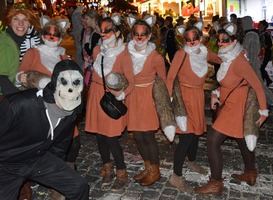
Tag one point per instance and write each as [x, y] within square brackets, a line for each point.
[48, 170]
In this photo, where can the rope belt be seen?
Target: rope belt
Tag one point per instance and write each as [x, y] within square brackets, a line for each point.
[144, 84]
[192, 86]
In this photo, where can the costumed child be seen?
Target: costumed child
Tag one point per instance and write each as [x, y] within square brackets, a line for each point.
[190, 68]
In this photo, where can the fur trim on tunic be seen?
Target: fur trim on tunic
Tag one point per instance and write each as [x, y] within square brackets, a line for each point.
[178, 105]
[116, 81]
[163, 103]
[251, 130]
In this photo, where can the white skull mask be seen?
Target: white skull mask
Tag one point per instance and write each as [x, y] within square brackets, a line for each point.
[68, 89]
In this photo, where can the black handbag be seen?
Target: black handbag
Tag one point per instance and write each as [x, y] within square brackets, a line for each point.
[109, 104]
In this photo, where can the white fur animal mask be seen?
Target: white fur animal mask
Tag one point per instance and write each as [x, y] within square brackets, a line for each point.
[62, 24]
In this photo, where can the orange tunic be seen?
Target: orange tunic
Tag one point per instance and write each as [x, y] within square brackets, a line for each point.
[191, 87]
[96, 119]
[32, 61]
[230, 119]
[142, 115]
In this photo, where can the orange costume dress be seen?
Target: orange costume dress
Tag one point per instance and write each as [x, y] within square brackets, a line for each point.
[118, 60]
[191, 80]
[231, 119]
[142, 115]
[42, 59]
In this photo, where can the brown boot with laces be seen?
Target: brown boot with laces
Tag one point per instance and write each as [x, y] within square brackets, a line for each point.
[152, 176]
[144, 172]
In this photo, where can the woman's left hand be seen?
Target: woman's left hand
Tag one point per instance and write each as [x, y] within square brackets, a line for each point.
[261, 120]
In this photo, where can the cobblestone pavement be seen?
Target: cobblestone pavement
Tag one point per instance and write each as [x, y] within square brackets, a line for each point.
[89, 165]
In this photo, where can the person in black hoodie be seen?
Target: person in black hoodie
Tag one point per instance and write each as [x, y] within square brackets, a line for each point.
[36, 132]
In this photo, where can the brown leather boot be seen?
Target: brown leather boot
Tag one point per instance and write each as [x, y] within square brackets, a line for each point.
[152, 176]
[108, 174]
[25, 192]
[249, 176]
[121, 180]
[144, 172]
[212, 187]
[179, 183]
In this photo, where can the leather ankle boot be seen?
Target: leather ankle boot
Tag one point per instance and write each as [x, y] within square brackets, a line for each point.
[121, 180]
[249, 176]
[212, 187]
[144, 172]
[152, 176]
[108, 174]
[179, 183]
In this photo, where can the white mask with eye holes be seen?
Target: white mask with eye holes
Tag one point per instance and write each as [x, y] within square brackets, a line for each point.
[68, 89]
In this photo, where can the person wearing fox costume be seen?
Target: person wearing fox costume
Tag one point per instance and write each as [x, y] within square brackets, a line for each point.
[234, 75]
[43, 58]
[191, 67]
[109, 56]
[142, 114]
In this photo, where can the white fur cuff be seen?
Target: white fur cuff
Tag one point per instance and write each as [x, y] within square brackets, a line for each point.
[216, 92]
[264, 112]
[121, 96]
[181, 122]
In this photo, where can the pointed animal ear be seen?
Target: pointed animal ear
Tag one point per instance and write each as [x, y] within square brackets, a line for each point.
[230, 28]
[116, 19]
[217, 26]
[131, 20]
[199, 25]
[44, 20]
[64, 24]
[181, 29]
[150, 20]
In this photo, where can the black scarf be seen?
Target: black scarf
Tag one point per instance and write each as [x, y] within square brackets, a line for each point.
[18, 39]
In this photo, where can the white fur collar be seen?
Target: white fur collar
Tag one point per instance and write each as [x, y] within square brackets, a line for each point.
[227, 55]
[139, 58]
[110, 55]
[199, 64]
[50, 55]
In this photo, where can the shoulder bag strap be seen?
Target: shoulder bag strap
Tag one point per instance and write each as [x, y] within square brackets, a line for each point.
[102, 74]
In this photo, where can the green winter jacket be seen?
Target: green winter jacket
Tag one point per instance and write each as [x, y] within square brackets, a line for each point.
[9, 56]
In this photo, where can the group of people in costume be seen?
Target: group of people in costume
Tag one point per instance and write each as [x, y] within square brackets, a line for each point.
[45, 112]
